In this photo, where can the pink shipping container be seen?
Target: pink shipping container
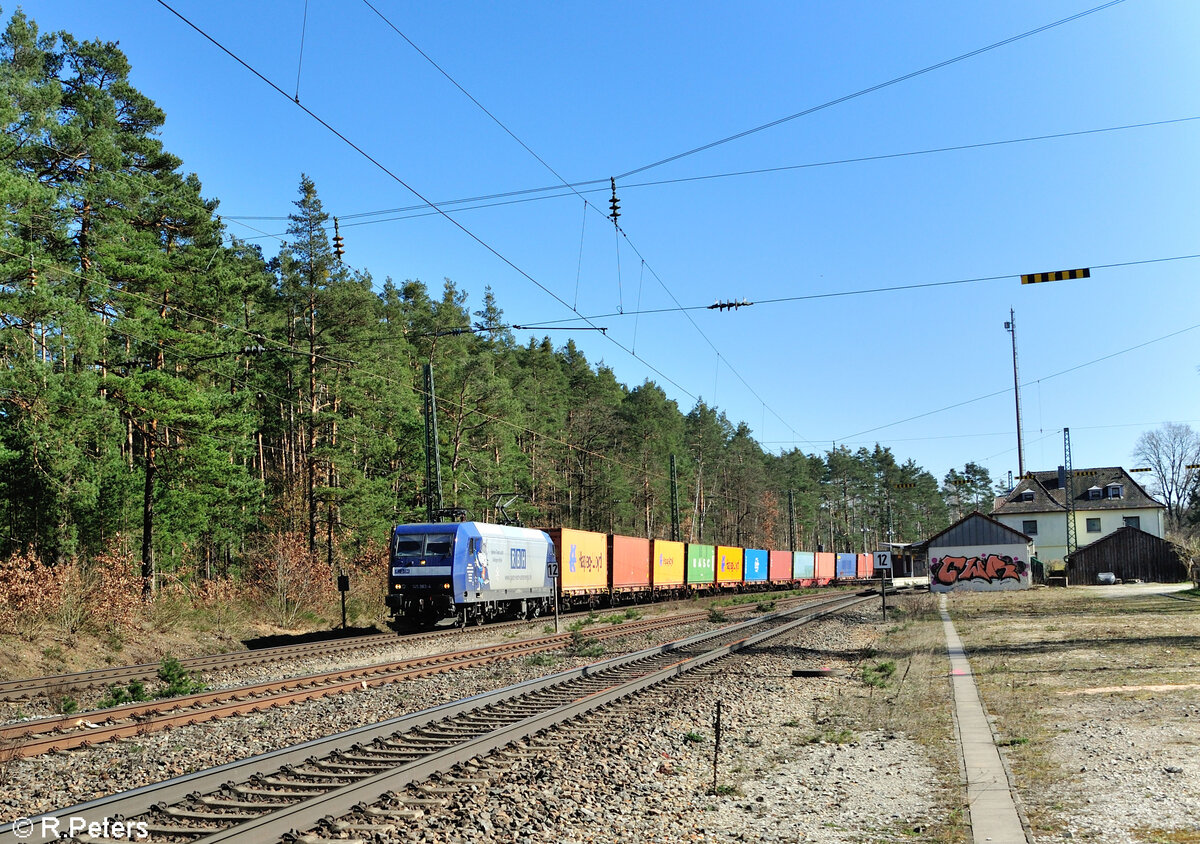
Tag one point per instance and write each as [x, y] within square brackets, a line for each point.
[779, 566]
[866, 565]
[629, 558]
[826, 566]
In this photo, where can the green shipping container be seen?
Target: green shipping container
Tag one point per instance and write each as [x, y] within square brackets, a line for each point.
[701, 566]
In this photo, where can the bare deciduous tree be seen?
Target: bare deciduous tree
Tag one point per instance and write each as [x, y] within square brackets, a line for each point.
[1169, 451]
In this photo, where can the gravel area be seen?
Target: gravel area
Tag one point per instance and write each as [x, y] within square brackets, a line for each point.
[401, 648]
[54, 781]
[1133, 766]
[622, 775]
[1098, 701]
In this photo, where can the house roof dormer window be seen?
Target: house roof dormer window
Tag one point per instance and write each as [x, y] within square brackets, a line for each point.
[1094, 493]
[1115, 490]
[1027, 495]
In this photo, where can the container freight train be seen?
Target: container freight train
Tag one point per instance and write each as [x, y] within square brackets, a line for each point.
[478, 572]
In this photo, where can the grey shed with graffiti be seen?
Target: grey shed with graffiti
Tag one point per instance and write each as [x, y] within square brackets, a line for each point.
[979, 554]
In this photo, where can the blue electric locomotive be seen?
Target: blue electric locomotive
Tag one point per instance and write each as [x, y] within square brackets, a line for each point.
[472, 571]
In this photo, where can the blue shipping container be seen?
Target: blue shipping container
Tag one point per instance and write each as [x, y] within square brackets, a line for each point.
[847, 565]
[756, 565]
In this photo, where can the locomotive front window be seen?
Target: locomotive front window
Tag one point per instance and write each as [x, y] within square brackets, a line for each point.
[419, 545]
[409, 546]
[439, 545]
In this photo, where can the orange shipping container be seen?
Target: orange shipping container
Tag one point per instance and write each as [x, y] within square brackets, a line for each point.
[826, 563]
[582, 560]
[630, 558]
[780, 566]
[666, 564]
[866, 565]
[729, 564]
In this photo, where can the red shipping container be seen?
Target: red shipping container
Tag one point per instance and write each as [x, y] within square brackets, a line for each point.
[866, 565]
[779, 566]
[630, 558]
[826, 565]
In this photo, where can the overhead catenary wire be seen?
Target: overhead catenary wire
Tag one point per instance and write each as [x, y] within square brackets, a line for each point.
[501, 199]
[300, 60]
[861, 291]
[871, 89]
[614, 204]
[383, 168]
[1027, 383]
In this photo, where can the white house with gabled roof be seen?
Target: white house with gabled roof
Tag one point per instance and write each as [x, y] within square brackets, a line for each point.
[1106, 500]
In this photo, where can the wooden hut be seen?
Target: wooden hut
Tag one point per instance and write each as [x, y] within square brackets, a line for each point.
[1130, 554]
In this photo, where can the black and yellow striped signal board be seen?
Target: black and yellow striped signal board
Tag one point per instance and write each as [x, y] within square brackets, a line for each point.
[1061, 275]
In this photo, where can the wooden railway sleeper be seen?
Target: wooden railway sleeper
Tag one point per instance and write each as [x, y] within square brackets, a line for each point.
[213, 817]
[225, 803]
[397, 813]
[343, 827]
[425, 743]
[314, 838]
[246, 791]
[405, 746]
[375, 758]
[506, 717]
[414, 800]
[334, 779]
[313, 787]
[451, 730]
[353, 769]
[156, 830]
[448, 790]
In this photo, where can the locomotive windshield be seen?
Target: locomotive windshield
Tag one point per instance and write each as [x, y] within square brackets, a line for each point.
[423, 545]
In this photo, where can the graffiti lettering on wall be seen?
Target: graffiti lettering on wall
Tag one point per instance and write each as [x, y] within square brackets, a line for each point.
[992, 568]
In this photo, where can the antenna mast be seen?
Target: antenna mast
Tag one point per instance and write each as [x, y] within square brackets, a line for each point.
[1011, 327]
[1072, 542]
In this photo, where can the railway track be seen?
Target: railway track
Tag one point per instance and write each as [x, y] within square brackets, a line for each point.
[350, 786]
[63, 684]
[30, 738]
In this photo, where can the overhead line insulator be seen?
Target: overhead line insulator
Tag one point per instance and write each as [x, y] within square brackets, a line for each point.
[614, 204]
[731, 305]
[339, 248]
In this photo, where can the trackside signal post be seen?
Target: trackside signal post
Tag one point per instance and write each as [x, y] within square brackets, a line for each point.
[883, 562]
[554, 573]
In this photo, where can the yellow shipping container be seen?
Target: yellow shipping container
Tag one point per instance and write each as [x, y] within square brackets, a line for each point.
[729, 564]
[582, 560]
[668, 562]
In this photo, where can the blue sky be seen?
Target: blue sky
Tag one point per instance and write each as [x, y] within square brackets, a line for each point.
[600, 90]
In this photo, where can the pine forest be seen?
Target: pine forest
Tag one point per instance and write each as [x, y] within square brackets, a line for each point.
[178, 408]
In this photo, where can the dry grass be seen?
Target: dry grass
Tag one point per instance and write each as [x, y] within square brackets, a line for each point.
[915, 700]
[1035, 654]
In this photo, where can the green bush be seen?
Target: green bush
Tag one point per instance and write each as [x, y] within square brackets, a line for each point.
[879, 674]
[176, 682]
[117, 695]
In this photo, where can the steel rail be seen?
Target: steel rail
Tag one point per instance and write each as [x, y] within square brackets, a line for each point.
[25, 739]
[24, 689]
[296, 819]
[142, 800]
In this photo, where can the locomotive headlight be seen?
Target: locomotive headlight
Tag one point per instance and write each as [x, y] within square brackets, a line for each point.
[445, 585]
[397, 586]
